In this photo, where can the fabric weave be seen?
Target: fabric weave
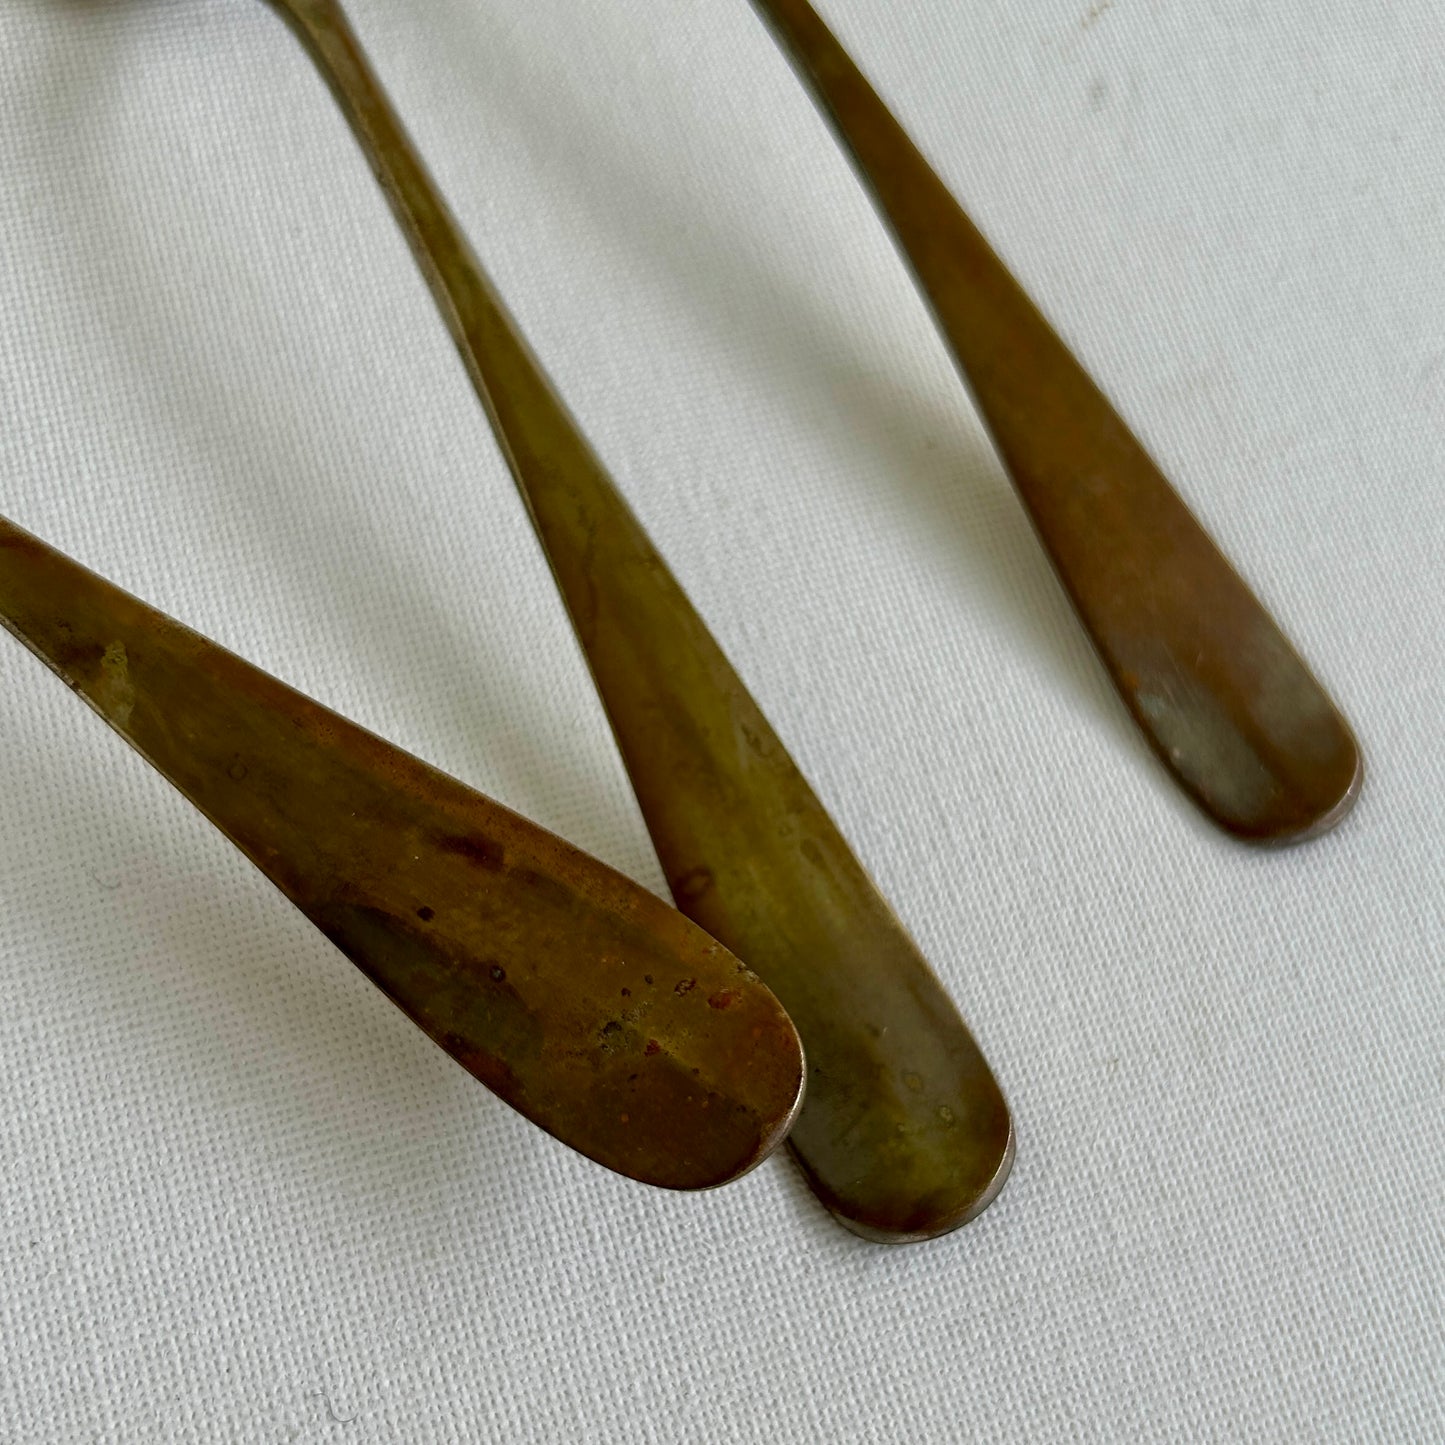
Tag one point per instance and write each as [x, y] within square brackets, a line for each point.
[243, 1199]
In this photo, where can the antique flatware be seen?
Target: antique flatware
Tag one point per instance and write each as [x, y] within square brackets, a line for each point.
[589, 1005]
[1219, 692]
[904, 1133]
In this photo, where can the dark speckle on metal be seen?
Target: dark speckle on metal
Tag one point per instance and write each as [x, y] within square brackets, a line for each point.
[514, 980]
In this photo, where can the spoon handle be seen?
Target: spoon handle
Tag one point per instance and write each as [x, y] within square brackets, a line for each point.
[904, 1133]
[1218, 691]
[578, 997]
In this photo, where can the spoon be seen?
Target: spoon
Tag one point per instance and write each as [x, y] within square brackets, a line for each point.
[1222, 697]
[582, 1000]
[904, 1133]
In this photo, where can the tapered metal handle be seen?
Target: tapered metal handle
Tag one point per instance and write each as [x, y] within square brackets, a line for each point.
[1219, 692]
[904, 1132]
[581, 999]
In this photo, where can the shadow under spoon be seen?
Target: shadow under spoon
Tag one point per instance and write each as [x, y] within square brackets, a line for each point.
[1223, 698]
[585, 1002]
[904, 1133]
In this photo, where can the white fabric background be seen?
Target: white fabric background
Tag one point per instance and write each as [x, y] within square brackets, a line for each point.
[243, 1200]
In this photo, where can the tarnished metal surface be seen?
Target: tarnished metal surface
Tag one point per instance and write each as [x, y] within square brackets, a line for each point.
[904, 1133]
[591, 1007]
[1221, 695]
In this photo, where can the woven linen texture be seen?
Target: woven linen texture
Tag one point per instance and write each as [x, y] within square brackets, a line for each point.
[243, 1199]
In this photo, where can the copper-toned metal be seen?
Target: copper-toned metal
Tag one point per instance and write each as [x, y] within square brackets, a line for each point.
[585, 1002]
[1219, 692]
[904, 1133]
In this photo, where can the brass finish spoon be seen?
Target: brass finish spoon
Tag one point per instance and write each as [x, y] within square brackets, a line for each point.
[591, 1007]
[1219, 692]
[904, 1133]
